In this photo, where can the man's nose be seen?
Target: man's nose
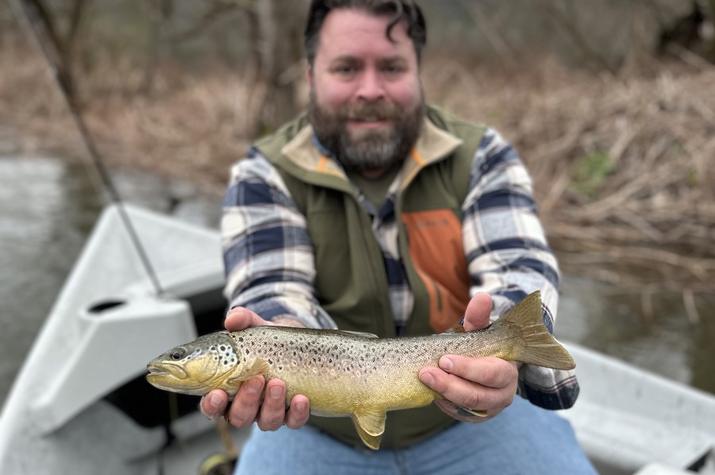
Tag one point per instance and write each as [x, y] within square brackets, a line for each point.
[371, 87]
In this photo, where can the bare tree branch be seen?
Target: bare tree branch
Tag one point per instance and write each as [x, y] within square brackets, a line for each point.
[565, 19]
[76, 15]
[45, 25]
[495, 40]
[218, 9]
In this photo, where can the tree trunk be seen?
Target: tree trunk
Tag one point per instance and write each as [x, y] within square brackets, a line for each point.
[710, 47]
[279, 56]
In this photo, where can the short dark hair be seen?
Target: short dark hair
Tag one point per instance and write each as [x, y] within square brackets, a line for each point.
[399, 10]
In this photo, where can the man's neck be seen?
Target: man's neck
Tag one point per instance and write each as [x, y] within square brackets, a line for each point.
[373, 173]
[374, 183]
[377, 173]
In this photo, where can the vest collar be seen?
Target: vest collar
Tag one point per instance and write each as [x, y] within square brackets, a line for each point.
[434, 144]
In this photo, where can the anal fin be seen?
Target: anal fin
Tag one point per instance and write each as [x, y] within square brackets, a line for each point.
[370, 425]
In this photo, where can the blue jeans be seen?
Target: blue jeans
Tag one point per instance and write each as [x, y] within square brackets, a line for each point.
[523, 439]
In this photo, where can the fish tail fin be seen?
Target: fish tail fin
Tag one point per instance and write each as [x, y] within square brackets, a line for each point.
[535, 345]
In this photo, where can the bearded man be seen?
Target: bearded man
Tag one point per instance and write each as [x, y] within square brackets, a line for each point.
[374, 212]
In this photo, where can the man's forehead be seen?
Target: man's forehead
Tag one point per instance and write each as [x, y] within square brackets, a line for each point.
[354, 32]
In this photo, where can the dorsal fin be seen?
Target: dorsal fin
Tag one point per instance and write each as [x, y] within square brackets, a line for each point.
[351, 333]
[360, 334]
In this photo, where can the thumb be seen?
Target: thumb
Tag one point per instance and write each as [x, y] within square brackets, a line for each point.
[476, 316]
[239, 318]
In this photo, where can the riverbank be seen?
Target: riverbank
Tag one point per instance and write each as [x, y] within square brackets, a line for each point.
[622, 166]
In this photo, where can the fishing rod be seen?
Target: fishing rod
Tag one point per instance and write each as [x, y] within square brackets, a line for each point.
[30, 14]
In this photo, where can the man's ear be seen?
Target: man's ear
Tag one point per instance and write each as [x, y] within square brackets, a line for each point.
[309, 74]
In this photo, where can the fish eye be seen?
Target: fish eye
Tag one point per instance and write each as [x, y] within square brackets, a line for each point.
[177, 353]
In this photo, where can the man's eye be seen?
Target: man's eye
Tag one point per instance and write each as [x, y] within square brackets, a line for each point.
[346, 69]
[392, 69]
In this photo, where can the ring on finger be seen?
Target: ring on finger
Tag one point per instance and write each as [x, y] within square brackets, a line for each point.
[466, 412]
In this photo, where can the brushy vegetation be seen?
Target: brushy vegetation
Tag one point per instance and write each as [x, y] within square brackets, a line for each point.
[623, 167]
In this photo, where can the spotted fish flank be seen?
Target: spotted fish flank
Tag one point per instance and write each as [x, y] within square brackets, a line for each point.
[347, 373]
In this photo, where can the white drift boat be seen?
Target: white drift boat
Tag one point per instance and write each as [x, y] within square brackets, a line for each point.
[80, 404]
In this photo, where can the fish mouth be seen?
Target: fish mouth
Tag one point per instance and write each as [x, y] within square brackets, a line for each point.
[166, 369]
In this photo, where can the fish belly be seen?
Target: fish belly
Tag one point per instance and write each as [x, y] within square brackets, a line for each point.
[341, 395]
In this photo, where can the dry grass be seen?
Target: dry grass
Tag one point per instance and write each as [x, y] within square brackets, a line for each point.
[623, 168]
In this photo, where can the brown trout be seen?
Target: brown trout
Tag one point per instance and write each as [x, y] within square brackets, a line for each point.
[350, 374]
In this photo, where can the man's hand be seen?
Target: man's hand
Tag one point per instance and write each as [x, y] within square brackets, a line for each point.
[483, 385]
[256, 400]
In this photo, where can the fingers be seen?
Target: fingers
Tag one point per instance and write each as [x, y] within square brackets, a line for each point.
[214, 404]
[265, 403]
[483, 384]
[273, 410]
[476, 316]
[298, 412]
[466, 394]
[247, 402]
[239, 318]
[489, 371]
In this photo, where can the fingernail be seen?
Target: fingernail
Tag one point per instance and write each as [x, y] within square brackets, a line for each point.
[428, 379]
[276, 392]
[300, 406]
[254, 387]
[446, 364]
[214, 401]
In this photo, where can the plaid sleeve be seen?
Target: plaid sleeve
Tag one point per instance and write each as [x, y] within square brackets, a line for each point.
[268, 255]
[508, 256]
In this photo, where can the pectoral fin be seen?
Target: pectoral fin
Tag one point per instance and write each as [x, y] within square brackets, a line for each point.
[258, 367]
[370, 425]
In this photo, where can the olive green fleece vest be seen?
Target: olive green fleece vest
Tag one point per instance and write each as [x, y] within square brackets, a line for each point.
[351, 283]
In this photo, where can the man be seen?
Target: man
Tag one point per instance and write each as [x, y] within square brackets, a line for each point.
[377, 213]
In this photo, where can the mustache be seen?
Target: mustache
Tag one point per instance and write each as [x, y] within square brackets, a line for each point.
[370, 111]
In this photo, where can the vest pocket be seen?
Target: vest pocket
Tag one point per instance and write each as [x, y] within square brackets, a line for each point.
[437, 253]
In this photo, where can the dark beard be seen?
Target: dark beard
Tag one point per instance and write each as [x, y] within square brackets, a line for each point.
[374, 149]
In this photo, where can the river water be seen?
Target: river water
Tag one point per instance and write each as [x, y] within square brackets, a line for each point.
[48, 207]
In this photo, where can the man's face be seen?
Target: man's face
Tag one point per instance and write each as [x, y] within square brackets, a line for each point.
[366, 101]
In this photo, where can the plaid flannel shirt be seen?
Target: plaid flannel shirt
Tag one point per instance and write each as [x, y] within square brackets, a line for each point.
[270, 267]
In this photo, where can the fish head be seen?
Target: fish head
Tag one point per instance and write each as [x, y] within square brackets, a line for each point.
[196, 367]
